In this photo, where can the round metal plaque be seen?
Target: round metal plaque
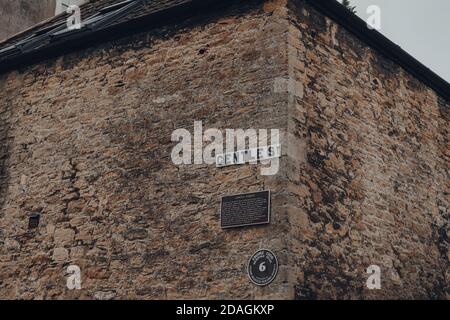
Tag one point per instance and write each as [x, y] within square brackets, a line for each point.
[262, 267]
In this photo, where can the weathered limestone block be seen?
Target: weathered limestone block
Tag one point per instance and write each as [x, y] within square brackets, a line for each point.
[60, 254]
[64, 236]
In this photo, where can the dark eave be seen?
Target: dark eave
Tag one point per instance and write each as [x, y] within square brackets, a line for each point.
[187, 9]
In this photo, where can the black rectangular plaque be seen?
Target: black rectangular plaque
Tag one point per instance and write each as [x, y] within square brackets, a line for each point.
[246, 209]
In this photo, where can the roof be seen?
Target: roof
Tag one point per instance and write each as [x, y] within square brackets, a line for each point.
[136, 8]
[101, 19]
[104, 20]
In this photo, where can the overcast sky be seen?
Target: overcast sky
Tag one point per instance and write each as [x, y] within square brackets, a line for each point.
[420, 27]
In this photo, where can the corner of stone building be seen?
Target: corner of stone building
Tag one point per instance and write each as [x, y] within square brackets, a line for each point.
[317, 231]
[6, 108]
[349, 108]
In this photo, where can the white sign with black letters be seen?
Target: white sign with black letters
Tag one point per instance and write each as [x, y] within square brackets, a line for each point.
[248, 156]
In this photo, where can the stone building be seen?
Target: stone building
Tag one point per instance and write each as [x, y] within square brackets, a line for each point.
[86, 118]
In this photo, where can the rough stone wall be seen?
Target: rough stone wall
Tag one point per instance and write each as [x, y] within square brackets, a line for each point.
[18, 15]
[87, 143]
[368, 169]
